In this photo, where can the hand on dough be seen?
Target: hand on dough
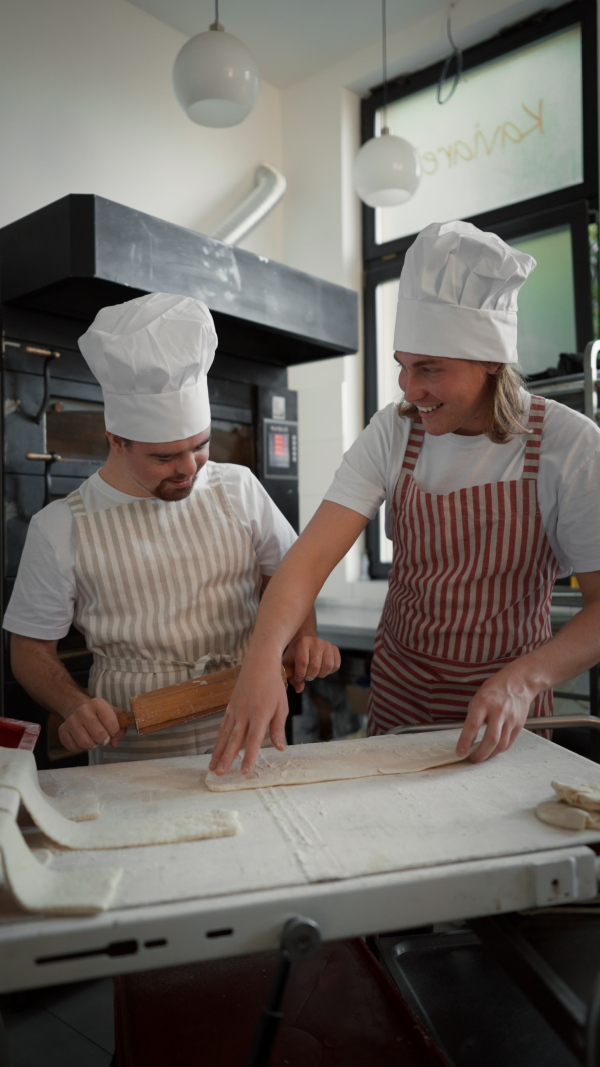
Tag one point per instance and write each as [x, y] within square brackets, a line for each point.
[258, 703]
[501, 705]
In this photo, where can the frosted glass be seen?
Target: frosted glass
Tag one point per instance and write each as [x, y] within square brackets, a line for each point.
[546, 322]
[512, 130]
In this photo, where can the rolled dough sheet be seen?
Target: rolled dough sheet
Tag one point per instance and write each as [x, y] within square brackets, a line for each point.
[35, 889]
[18, 772]
[355, 759]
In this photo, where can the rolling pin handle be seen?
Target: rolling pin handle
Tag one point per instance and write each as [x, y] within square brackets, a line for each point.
[125, 718]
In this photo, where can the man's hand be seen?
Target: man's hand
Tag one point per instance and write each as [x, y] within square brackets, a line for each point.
[502, 706]
[94, 722]
[311, 658]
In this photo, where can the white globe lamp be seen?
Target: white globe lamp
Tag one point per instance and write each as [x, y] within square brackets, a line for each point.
[386, 171]
[216, 79]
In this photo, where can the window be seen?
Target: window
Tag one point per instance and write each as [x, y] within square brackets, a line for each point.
[515, 152]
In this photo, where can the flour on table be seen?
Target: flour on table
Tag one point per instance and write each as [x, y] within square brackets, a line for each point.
[337, 760]
[18, 776]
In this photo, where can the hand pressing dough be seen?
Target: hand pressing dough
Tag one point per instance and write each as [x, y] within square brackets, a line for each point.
[18, 773]
[274, 768]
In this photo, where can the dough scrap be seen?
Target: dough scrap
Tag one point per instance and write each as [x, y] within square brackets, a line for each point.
[18, 772]
[36, 889]
[562, 815]
[274, 768]
[581, 796]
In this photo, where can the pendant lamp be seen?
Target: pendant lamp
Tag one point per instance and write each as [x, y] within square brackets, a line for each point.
[215, 77]
[387, 170]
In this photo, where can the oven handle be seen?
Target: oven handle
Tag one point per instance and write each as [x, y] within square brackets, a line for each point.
[554, 722]
[48, 355]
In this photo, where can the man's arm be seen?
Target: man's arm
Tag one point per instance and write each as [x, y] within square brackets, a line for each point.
[502, 704]
[309, 655]
[88, 721]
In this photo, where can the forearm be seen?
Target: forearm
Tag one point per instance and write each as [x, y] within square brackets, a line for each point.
[573, 650]
[36, 666]
[286, 610]
[307, 628]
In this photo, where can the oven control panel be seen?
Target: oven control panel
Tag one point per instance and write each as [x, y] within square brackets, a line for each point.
[280, 448]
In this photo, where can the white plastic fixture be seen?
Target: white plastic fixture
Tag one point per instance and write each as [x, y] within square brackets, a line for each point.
[216, 79]
[386, 171]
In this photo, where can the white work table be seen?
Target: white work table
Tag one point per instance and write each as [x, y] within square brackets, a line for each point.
[357, 856]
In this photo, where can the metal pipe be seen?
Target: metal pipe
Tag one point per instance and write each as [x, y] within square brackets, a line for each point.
[544, 722]
[270, 186]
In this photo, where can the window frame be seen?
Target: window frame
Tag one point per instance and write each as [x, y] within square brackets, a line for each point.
[571, 206]
[534, 29]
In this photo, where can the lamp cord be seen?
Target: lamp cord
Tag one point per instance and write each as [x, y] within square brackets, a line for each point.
[384, 56]
[216, 10]
[457, 56]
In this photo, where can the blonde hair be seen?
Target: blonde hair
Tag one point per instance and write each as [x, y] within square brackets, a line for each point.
[505, 413]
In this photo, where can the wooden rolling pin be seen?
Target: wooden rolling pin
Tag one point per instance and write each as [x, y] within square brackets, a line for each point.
[176, 704]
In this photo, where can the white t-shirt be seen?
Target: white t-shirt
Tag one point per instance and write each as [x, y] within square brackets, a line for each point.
[43, 599]
[568, 476]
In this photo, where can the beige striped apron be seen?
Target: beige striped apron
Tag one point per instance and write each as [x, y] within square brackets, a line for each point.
[166, 591]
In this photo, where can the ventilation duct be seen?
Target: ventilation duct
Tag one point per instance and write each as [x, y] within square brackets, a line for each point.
[269, 188]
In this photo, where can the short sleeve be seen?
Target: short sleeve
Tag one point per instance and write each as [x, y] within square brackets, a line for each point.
[43, 600]
[270, 532]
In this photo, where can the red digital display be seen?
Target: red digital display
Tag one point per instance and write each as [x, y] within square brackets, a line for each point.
[279, 449]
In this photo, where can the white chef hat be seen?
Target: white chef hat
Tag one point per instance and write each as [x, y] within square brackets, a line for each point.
[151, 356]
[458, 294]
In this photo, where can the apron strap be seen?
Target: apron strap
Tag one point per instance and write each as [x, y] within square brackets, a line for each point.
[75, 502]
[535, 425]
[413, 448]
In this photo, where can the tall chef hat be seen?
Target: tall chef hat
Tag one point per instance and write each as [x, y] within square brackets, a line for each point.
[458, 294]
[151, 356]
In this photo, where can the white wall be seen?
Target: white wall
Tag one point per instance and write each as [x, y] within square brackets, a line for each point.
[87, 106]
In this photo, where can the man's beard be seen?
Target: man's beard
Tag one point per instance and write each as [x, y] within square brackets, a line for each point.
[165, 490]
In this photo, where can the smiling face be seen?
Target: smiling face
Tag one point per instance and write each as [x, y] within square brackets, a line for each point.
[451, 395]
[167, 471]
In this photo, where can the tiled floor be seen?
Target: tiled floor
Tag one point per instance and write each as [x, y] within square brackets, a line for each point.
[65, 1026]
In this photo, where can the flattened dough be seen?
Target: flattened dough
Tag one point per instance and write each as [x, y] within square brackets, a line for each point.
[18, 772]
[562, 815]
[343, 759]
[36, 889]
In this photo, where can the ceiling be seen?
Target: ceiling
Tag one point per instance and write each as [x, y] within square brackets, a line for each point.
[292, 39]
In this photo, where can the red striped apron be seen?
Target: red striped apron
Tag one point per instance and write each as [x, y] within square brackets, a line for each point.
[469, 591]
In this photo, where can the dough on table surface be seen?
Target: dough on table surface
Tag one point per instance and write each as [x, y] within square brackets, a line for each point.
[562, 815]
[338, 760]
[575, 807]
[18, 773]
[580, 796]
[38, 890]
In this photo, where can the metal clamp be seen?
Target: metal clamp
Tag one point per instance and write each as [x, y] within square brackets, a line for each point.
[300, 939]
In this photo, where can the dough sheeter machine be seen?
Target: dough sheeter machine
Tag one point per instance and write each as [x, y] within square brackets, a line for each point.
[356, 857]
